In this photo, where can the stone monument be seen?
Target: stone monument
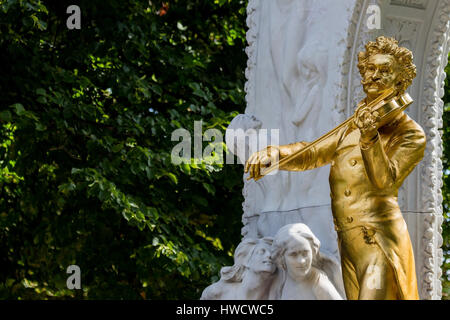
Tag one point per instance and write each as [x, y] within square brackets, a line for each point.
[302, 64]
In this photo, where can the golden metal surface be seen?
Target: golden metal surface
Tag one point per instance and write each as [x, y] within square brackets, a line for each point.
[368, 166]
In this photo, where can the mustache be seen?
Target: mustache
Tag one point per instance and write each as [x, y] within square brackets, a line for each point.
[370, 81]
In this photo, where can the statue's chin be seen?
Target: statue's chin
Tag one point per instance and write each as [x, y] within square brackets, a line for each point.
[266, 272]
[373, 92]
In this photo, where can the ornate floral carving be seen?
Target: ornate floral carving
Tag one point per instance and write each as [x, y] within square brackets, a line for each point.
[417, 4]
[405, 31]
[252, 36]
[252, 40]
[431, 173]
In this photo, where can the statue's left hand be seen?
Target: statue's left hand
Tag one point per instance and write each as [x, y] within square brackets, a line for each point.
[368, 123]
[262, 159]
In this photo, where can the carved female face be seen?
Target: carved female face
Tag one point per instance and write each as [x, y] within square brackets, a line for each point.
[380, 74]
[298, 257]
[260, 260]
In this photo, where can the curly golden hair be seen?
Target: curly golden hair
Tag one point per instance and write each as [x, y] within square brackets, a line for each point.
[403, 56]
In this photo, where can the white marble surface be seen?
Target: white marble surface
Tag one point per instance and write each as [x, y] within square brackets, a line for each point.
[287, 267]
[303, 80]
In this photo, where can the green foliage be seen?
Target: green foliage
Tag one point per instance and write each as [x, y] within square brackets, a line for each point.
[85, 123]
[85, 128]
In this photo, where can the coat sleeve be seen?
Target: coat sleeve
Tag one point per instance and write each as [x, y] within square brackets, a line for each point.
[319, 155]
[388, 166]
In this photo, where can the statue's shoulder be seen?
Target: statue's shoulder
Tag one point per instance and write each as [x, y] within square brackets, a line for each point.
[407, 131]
[411, 123]
[215, 291]
[322, 276]
[413, 128]
[325, 289]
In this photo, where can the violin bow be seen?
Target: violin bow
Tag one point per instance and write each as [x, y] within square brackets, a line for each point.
[381, 98]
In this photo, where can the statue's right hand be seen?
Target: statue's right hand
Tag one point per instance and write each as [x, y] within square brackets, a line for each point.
[261, 159]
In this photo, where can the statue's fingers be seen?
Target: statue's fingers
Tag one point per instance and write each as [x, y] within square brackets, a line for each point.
[265, 161]
[363, 111]
[258, 166]
[249, 162]
[254, 173]
[252, 168]
[376, 115]
[374, 125]
[357, 121]
[249, 171]
[258, 169]
[274, 158]
[363, 117]
[370, 119]
[247, 165]
[365, 123]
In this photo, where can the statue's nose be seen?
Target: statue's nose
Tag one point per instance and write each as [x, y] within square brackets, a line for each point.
[376, 75]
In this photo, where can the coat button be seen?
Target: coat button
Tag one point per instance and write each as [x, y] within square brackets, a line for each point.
[349, 219]
[347, 193]
[353, 162]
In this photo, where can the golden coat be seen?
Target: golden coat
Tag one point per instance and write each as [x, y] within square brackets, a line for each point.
[364, 184]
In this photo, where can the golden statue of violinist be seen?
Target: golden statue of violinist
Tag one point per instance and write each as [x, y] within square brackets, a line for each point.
[370, 154]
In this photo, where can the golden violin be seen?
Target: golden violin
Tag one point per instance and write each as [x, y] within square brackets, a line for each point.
[387, 105]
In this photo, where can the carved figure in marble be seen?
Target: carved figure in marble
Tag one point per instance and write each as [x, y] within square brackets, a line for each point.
[251, 275]
[302, 268]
